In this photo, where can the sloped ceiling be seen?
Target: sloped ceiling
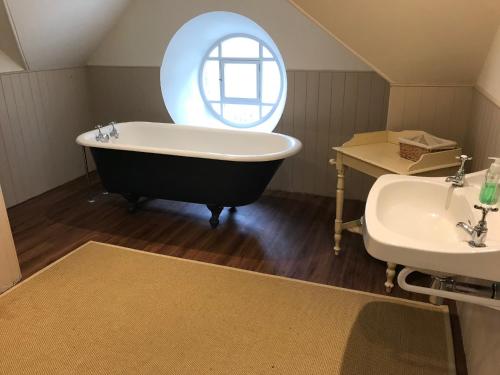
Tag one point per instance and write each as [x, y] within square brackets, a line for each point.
[62, 33]
[489, 79]
[141, 35]
[424, 42]
[10, 56]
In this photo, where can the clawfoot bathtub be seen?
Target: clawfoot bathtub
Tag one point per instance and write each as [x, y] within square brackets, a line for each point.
[218, 168]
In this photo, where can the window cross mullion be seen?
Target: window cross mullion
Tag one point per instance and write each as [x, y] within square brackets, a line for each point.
[230, 66]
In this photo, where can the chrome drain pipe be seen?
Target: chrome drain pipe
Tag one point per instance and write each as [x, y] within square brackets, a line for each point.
[447, 287]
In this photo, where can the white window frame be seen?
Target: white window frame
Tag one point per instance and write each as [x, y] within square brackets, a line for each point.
[240, 60]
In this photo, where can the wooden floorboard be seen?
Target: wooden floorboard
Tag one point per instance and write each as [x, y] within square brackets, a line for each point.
[285, 234]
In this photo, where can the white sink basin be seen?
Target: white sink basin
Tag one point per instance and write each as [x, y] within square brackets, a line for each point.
[412, 221]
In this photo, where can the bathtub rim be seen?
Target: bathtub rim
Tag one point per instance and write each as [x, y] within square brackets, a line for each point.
[294, 145]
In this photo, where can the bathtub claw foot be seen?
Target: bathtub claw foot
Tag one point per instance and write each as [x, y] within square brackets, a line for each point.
[133, 201]
[132, 207]
[215, 210]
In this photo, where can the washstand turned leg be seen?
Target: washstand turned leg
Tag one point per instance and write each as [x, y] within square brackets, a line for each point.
[215, 210]
[391, 273]
[339, 204]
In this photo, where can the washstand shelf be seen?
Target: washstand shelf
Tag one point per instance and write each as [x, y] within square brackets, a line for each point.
[376, 154]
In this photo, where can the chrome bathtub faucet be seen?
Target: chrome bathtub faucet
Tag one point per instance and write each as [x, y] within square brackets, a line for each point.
[114, 133]
[480, 230]
[101, 137]
[459, 179]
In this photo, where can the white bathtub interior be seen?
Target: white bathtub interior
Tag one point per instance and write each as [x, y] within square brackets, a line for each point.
[193, 141]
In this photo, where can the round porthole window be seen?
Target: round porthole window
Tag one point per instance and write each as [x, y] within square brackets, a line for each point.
[240, 81]
[222, 70]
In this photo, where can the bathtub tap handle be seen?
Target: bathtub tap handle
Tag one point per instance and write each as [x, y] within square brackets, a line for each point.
[101, 137]
[114, 132]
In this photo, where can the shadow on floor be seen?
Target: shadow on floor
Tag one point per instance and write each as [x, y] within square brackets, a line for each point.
[391, 338]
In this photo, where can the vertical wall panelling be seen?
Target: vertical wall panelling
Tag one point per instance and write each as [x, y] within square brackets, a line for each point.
[442, 111]
[298, 129]
[284, 175]
[326, 109]
[126, 94]
[335, 125]
[41, 113]
[311, 129]
[483, 140]
[322, 151]
[6, 175]
[483, 134]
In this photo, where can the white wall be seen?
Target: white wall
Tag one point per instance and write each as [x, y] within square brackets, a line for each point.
[489, 79]
[141, 36]
[60, 33]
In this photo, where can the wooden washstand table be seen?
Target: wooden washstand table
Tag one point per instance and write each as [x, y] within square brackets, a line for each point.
[376, 154]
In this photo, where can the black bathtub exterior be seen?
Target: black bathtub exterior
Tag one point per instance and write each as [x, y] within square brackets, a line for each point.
[215, 183]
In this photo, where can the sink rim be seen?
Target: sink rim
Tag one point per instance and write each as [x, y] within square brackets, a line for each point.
[380, 233]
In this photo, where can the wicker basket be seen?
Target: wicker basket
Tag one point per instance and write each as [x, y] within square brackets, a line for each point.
[412, 148]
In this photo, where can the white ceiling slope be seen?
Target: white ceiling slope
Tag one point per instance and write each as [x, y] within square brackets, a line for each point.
[62, 33]
[142, 34]
[428, 42]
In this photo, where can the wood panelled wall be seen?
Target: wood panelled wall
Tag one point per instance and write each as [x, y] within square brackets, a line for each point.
[483, 133]
[41, 113]
[442, 111]
[323, 110]
[126, 94]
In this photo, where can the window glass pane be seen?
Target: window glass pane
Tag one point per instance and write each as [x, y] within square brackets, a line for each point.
[266, 53]
[217, 108]
[215, 52]
[211, 80]
[240, 47]
[266, 109]
[240, 81]
[241, 113]
[271, 82]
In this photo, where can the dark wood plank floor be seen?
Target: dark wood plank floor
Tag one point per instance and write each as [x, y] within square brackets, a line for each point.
[283, 234]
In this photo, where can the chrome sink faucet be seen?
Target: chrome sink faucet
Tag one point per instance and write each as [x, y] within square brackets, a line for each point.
[101, 137]
[459, 179]
[480, 230]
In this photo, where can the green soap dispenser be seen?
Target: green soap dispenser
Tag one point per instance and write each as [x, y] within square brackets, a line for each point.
[489, 190]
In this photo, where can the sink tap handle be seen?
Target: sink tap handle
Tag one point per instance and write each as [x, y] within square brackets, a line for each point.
[485, 210]
[458, 180]
[463, 159]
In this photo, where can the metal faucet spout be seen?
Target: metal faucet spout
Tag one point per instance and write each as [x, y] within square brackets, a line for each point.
[480, 230]
[466, 227]
[459, 179]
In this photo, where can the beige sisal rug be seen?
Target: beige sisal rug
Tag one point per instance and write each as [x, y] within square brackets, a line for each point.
[108, 310]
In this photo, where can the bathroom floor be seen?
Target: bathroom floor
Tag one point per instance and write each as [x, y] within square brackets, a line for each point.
[286, 234]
